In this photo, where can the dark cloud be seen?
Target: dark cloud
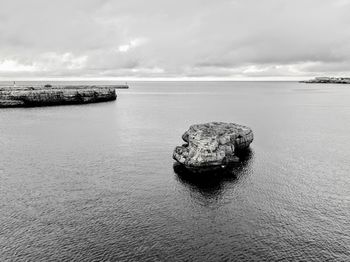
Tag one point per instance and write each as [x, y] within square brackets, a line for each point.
[163, 38]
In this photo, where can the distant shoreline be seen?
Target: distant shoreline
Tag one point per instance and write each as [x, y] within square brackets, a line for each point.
[328, 80]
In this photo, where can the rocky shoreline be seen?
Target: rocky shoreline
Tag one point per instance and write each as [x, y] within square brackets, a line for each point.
[328, 80]
[34, 96]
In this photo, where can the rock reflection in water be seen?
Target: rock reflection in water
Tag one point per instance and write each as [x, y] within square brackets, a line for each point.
[211, 184]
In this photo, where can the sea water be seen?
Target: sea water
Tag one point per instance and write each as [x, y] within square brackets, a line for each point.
[96, 182]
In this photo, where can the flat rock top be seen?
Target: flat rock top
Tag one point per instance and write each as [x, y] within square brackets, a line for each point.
[215, 130]
[211, 135]
[63, 87]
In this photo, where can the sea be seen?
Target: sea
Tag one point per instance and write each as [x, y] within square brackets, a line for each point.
[97, 182]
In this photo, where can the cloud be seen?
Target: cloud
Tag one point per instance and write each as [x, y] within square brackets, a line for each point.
[185, 38]
[132, 44]
[14, 66]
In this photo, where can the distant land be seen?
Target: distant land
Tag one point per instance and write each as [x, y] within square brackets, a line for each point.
[328, 80]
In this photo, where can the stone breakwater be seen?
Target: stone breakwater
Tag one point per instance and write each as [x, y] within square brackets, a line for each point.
[211, 145]
[49, 96]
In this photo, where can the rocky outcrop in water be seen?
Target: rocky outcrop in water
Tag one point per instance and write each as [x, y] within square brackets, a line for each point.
[212, 145]
[48, 96]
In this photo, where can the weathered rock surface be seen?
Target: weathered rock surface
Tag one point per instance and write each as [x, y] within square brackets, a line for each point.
[212, 145]
[34, 96]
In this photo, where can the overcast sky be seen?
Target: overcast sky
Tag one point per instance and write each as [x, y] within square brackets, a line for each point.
[229, 39]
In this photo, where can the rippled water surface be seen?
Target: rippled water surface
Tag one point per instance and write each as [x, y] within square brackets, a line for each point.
[96, 182]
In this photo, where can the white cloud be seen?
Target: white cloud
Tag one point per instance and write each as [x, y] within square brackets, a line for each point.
[51, 64]
[53, 60]
[154, 70]
[123, 48]
[9, 65]
[132, 44]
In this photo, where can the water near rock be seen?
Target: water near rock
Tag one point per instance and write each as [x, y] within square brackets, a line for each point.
[212, 145]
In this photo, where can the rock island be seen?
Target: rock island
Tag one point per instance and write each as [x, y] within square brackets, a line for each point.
[212, 145]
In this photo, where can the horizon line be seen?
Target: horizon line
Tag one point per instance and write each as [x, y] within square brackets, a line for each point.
[158, 79]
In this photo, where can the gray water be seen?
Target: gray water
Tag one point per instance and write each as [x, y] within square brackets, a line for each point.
[96, 182]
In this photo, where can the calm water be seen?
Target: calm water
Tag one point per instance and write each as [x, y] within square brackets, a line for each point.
[96, 182]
